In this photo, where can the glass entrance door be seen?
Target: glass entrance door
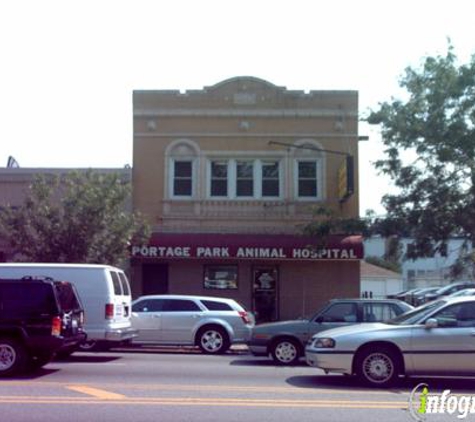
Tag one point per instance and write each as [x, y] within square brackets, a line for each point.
[265, 282]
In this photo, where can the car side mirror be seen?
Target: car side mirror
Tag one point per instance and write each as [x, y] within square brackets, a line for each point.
[319, 319]
[431, 323]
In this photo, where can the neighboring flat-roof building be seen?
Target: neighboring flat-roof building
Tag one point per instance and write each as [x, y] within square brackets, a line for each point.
[379, 282]
[228, 176]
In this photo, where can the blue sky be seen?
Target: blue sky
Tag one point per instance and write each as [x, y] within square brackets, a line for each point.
[69, 68]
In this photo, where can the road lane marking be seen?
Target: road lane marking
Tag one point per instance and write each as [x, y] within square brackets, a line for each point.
[96, 392]
[201, 387]
[212, 402]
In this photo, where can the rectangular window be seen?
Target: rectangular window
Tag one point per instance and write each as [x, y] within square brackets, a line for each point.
[221, 277]
[244, 178]
[180, 305]
[307, 179]
[212, 305]
[182, 178]
[270, 179]
[219, 178]
[375, 312]
[116, 283]
[67, 297]
[125, 284]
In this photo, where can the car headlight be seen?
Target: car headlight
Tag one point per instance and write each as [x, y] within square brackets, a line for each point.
[323, 343]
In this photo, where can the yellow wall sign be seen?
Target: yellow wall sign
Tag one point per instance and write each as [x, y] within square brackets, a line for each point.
[346, 179]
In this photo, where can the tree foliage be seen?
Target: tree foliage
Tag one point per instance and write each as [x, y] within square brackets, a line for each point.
[430, 156]
[77, 217]
[430, 153]
[327, 223]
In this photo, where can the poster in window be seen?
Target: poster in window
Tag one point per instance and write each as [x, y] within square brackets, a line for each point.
[220, 277]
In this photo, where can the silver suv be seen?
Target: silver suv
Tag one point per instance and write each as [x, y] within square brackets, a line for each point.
[211, 323]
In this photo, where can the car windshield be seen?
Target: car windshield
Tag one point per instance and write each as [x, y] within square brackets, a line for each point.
[414, 316]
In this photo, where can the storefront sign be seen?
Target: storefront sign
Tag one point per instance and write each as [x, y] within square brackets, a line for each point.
[170, 246]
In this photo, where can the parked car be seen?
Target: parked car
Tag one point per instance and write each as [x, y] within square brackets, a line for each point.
[448, 290]
[285, 341]
[405, 294]
[105, 294]
[38, 318]
[464, 292]
[211, 323]
[418, 298]
[397, 295]
[410, 295]
[435, 339]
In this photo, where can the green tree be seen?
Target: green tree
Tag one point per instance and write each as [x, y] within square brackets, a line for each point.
[327, 223]
[77, 217]
[430, 153]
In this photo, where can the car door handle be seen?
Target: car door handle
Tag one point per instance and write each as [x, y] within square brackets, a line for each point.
[156, 316]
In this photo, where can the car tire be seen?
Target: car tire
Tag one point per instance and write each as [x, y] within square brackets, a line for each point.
[286, 351]
[12, 357]
[378, 366]
[213, 340]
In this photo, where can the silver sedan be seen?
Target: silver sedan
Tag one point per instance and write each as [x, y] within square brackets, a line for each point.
[435, 339]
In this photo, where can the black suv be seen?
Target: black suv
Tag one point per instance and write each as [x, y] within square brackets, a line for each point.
[37, 319]
[285, 340]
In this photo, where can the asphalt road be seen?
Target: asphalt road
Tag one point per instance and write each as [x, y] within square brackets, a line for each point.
[181, 385]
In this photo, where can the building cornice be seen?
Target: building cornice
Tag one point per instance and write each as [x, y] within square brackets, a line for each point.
[243, 113]
[245, 135]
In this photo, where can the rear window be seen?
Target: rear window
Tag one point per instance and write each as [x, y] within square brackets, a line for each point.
[216, 306]
[27, 299]
[125, 284]
[67, 297]
[116, 283]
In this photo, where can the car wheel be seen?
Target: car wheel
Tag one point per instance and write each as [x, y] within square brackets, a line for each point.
[378, 367]
[213, 340]
[286, 351]
[12, 356]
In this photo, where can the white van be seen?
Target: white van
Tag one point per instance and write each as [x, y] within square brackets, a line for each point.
[104, 291]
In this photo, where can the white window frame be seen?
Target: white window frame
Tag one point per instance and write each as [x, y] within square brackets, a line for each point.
[261, 180]
[319, 176]
[171, 179]
[208, 178]
[233, 165]
[232, 178]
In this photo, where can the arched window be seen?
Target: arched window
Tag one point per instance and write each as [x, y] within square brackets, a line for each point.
[309, 170]
[182, 169]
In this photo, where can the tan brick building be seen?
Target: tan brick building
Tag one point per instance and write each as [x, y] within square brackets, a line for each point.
[228, 175]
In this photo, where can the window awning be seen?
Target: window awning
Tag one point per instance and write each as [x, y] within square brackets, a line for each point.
[232, 246]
